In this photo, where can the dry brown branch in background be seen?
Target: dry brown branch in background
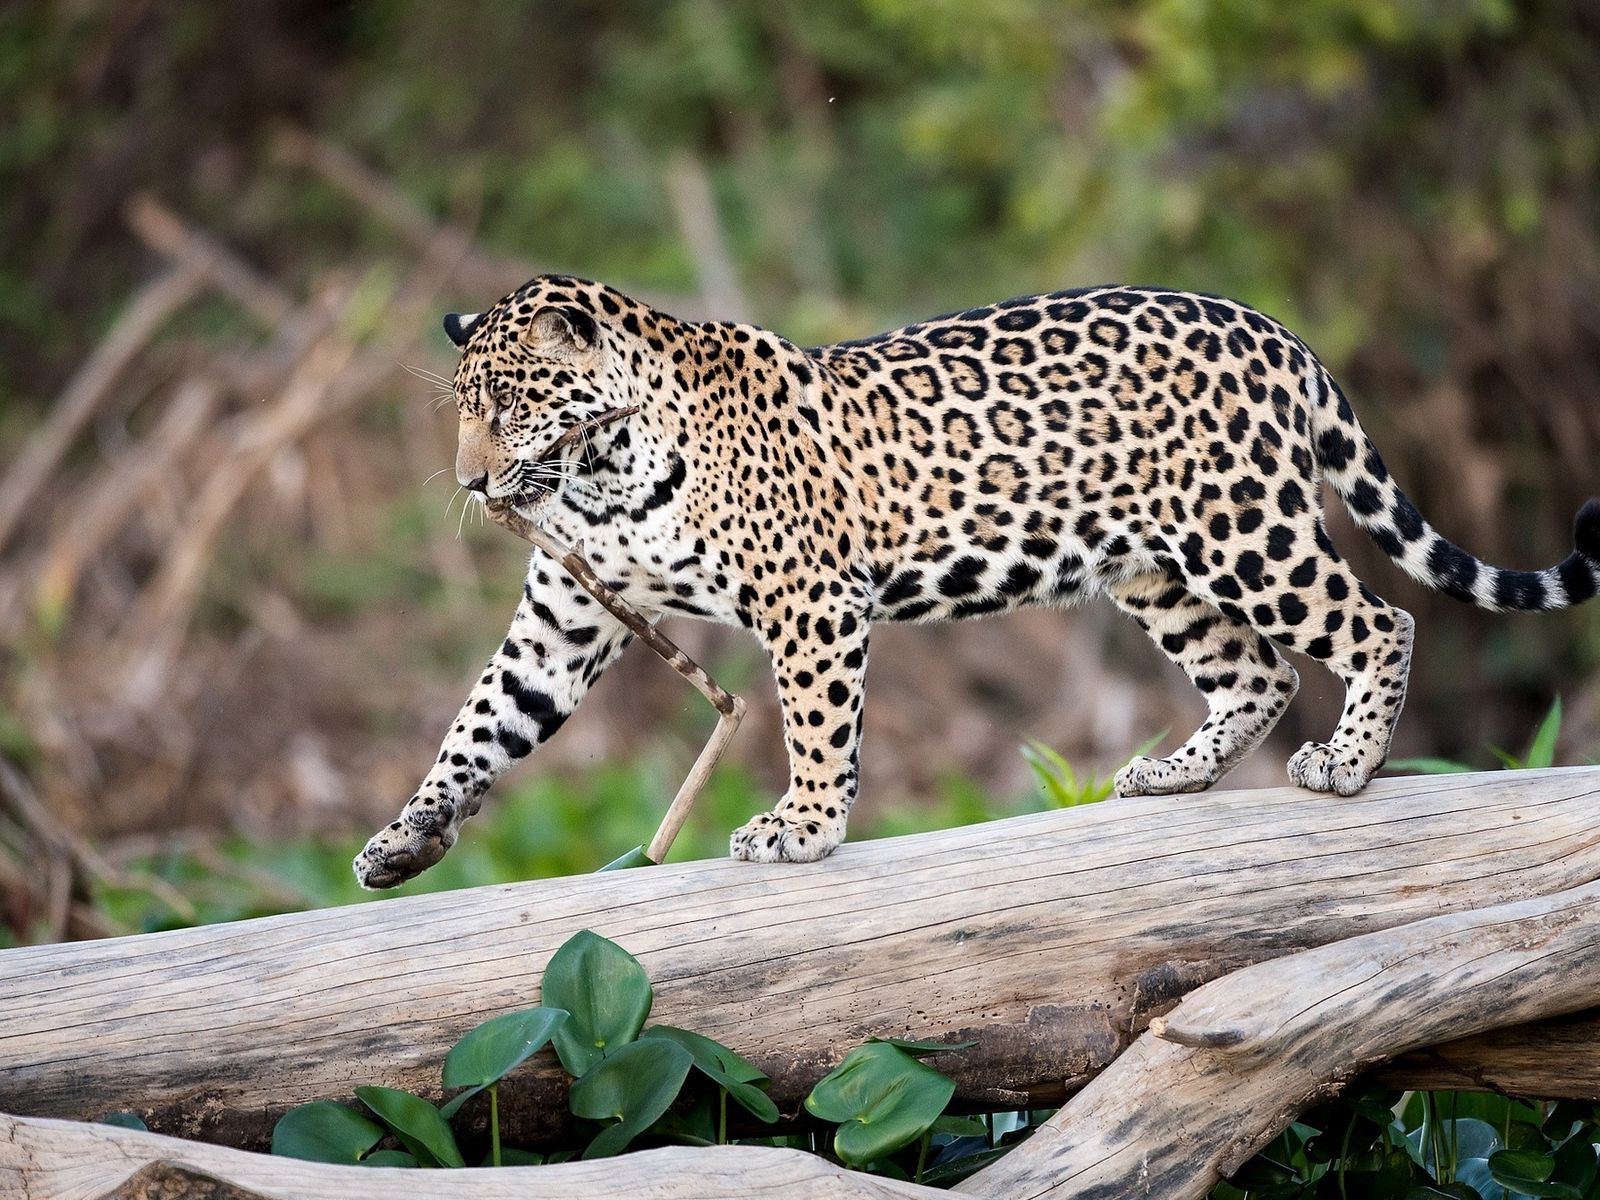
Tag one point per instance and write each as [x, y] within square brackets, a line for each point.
[90, 386]
[168, 235]
[105, 504]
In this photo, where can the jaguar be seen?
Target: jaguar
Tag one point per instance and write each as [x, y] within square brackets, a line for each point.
[1162, 448]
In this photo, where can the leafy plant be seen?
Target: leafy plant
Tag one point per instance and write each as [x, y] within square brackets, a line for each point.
[633, 1085]
[882, 1099]
[1060, 781]
[605, 991]
[486, 1055]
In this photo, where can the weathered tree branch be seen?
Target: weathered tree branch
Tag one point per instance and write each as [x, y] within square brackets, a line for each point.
[1050, 940]
[49, 1160]
[1221, 1075]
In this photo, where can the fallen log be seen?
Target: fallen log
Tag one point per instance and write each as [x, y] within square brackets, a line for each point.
[1222, 1074]
[63, 1160]
[1050, 940]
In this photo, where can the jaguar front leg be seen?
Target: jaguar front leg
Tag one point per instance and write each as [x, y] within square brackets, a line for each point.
[820, 664]
[559, 642]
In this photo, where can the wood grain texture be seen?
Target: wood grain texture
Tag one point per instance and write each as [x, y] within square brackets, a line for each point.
[63, 1160]
[1215, 1080]
[1051, 940]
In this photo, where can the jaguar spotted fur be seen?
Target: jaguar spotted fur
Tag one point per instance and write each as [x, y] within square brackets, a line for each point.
[1161, 447]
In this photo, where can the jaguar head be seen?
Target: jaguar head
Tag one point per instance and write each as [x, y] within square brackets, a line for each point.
[539, 363]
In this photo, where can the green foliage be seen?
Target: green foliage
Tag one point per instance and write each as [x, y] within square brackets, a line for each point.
[416, 1123]
[605, 991]
[1060, 781]
[633, 1085]
[631, 1082]
[1377, 1144]
[324, 1131]
[124, 1120]
[733, 1076]
[882, 1099]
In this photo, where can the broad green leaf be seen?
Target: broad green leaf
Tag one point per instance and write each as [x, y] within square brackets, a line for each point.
[881, 1098]
[416, 1123]
[918, 1049]
[497, 1046]
[606, 993]
[633, 858]
[452, 1106]
[633, 1086]
[1474, 1172]
[1542, 750]
[389, 1158]
[124, 1120]
[961, 1127]
[724, 1067]
[325, 1132]
[1529, 1172]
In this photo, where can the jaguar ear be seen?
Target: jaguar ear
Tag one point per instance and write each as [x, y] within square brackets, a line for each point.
[459, 326]
[567, 325]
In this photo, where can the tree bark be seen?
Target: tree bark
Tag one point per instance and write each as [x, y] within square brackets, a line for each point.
[1050, 940]
[1216, 1079]
[63, 1160]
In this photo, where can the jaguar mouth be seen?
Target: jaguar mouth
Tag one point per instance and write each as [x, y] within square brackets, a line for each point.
[527, 501]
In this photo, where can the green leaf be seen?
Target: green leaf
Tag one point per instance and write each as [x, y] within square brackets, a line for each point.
[882, 1099]
[918, 1049]
[724, 1067]
[452, 1106]
[500, 1044]
[416, 1123]
[1443, 1191]
[633, 1085]
[1542, 750]
[960, 1127]
[388, 1158]
[633, 858]
[325, 1132]
[124, 1120]
[606, 994]
[1529, 1172]
[1428, 766]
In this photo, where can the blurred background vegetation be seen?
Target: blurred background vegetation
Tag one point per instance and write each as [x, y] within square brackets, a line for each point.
[235, 616]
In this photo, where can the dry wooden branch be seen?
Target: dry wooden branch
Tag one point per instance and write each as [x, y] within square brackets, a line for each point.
[1216, 1079]
[444, 244]
[166, 233]
[730, 708]
[104, 504]
[89, 387]
[1050, 940]
[52, 1160]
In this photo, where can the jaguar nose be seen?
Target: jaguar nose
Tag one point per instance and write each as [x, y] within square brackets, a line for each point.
[479, 485]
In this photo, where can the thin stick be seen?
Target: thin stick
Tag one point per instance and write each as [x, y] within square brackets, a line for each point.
[730, 708]
[581, 429]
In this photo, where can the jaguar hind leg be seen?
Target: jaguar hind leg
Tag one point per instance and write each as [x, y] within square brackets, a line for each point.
[1247, 684]
[1372, 657]
[1328, 614]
